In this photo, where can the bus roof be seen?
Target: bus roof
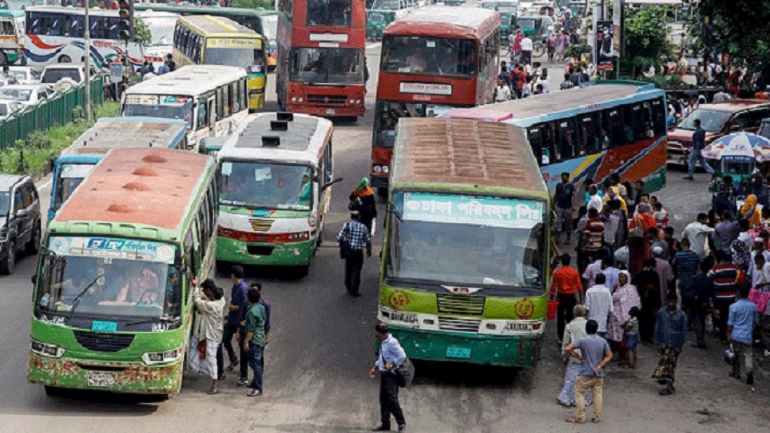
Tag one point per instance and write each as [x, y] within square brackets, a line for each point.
[188, 80]
[446, 21]
[200, 10]
[117, 132]
[464, 152]
[152, 187]
[11, 13]
[218, 26]
[302, 141]
[554, 102]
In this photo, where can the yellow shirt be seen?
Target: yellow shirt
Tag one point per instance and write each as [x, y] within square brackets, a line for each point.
[623, 206]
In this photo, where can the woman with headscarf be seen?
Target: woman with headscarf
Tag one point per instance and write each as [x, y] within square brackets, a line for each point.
[362, 199]
[647, 284]
[642, 231]
[623, 298]
[752, 211]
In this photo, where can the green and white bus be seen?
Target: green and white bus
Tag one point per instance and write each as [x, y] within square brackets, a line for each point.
[465, 253]
[276, 173]
[113, 302]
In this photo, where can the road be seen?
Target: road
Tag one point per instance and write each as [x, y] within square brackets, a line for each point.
[322, 346]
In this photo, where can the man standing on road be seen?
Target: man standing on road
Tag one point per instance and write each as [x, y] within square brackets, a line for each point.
[697, 232]
[254, 340]
[357, 237]
[740, 326]
[263, 301]
[563, 198]
[594, 354]
[670, 332]
[599, 303]
[236, 314]
[526, 50]
[698, 143]
[390, 357]
[566, 284]
[699, 306]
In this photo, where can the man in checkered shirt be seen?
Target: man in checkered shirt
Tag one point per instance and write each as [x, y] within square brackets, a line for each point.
[357, 236]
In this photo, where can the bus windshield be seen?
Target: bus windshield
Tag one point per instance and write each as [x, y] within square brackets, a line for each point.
[323, 66]
[163, 106]
[711, 120]
[391, 5]
[469, 241]
[71, 176]
[265, 185]
[243, 57]
[161, 28]
[131, 278]
[388, 113]
[427, 55]
[328, 13]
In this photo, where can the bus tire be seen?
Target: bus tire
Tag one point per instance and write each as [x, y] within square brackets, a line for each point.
[64, 59]
[8, 264]
[303, 270]
[3, 59]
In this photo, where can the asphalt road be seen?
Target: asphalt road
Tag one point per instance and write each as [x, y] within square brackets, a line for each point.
[322, 346]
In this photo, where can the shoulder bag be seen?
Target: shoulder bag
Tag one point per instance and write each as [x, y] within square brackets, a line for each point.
[404, 373]
[344, 243]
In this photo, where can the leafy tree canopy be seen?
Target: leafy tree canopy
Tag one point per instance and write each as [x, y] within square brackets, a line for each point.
[645, 36]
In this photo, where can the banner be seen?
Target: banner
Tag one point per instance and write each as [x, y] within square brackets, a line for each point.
[475, 210]
[604, 50]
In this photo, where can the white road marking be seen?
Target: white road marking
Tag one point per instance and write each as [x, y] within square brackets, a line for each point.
[373, 46]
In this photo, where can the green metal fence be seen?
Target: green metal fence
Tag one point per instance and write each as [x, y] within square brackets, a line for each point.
[50, 112]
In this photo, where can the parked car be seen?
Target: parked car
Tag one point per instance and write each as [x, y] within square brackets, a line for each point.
[9, 107]
[52, 74]
[20, 224]
[717, 120]
[27, 94]
[25, 74]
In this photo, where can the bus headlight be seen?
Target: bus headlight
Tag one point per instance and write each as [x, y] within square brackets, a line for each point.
[154, 358]
[293, 99]
[377, 169]
[44, 349]
[385, 169]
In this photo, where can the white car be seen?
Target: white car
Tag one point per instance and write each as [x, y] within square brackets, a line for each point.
[27, 94]
[25, 74]
[52, 74]
[9, 107]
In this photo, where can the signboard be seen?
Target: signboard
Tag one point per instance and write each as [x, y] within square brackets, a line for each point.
[604, 51]
[234, 43]
[463, 209]
[426, 88]
[112, 248]
[157, 99]
[116, 72]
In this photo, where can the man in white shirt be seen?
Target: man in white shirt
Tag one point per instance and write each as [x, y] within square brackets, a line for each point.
[594, 200]
[526, 50]
[543, 80]
[599, 303]
[502, 91]
[698, 233]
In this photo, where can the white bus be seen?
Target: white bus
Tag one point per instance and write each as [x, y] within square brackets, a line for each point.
[276, 173]
[212, 99]
[55, 34]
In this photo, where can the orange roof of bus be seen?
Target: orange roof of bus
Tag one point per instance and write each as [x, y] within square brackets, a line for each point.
[446, 22]
[140, 186]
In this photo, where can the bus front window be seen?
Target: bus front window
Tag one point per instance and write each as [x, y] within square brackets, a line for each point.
[388, 113]
[71, 176]
[468, 241]
[127, 278]
[327, 66]
[162, 106]
[429, 56]
[244, 57]
[265, 185]
[328, 13]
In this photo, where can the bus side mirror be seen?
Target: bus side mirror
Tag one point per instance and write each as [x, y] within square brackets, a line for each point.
[339, 179]
[34, 279]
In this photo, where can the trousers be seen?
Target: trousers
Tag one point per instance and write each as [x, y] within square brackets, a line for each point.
[254, 356]
[564, 312]
[583, 384]
[389, 400]
[353, 266]
[695, 157]
[745, 351]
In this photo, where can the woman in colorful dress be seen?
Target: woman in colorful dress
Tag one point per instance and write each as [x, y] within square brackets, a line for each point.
[623, 298]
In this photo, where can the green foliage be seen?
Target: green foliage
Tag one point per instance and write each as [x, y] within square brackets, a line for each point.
[663, 82]
[645, 37]
[142, 33]
[576, 51]
[252, 4]
[41, 147]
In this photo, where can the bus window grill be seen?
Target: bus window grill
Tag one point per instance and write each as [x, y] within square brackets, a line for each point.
[458, 325]
[102, 342]
[461, 305]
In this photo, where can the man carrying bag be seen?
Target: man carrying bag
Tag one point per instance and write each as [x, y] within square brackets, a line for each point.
[395, 370]
[353, 238]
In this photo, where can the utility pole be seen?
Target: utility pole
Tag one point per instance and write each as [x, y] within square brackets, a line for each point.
[87, 63]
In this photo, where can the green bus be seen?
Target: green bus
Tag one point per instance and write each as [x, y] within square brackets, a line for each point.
[112, 306]
[465, 251]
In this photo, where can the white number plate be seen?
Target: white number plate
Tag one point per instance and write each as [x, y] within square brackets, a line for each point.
[100, 379]
[403, 317]
[330, 112]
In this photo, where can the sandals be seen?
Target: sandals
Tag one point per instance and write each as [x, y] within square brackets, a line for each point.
[212, 391]
[574, 420]
[232, 365]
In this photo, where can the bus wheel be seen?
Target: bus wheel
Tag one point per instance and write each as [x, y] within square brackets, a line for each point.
[64, 59]
[3, 59]
[382, 191]
[303, 270]
[53, 391]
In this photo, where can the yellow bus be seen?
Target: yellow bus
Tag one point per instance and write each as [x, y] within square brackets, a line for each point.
[210, 40]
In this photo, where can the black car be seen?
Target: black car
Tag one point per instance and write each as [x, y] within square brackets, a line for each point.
[20, 225]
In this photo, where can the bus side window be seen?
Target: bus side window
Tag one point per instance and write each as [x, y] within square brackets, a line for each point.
[587, 133]
[234, 98]
[112, 32]
[329, 172]
[203, 118]
[536, 142]
[177, 35]
[220, 104]
[615, 128]
[566, 138]
[659, 117]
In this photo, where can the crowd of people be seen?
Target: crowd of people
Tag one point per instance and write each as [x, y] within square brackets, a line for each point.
[633, 281]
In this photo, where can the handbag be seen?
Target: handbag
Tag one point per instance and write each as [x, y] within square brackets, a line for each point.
[552, 307]
[344, 243]
[404, 373]
[760, 298]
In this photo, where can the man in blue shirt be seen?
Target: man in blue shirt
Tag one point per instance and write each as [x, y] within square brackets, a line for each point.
[698, 143]
[234, 326]
[670, 332]
[391, 356]
[264, 303]
[594, 355]
[740, 327]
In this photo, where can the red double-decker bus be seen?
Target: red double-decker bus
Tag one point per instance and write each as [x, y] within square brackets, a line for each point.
[435, 59]
[321, 61]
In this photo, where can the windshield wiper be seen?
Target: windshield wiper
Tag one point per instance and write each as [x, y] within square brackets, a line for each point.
[79, 297]
[161, 319]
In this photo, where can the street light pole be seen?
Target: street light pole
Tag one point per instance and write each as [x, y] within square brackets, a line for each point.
[87, 60]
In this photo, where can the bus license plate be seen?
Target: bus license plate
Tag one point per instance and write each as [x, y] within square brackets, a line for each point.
[458, 352]
[100, 379]
[330, 112]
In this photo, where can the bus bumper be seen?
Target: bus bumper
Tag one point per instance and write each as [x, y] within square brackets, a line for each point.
[510, 351]
[326, 111]
[262, 253]
[379, 180]
[112, 376]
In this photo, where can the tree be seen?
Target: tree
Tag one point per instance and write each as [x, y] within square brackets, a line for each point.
[646, 37]
[142, 33]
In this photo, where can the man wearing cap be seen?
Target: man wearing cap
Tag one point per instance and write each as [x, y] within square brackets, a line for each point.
[357, 237]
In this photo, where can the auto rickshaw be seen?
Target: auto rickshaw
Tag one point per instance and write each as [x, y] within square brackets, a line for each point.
[536, 27]
[739, 155]
[376, 21]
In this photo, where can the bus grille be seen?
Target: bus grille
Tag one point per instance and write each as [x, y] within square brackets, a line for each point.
[462, 305]
[459, 325]
[261, 225]
[99, 342]
[327, 100]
